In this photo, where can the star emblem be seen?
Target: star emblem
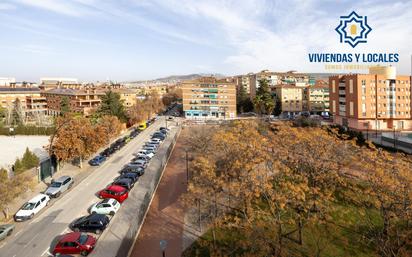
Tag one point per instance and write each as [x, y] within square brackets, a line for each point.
[353, 29]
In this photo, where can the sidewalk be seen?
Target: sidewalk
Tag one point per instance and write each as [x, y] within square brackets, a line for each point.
[165, 219]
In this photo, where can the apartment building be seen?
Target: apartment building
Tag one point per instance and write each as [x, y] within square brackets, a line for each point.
[127, 96]
[279, 78]
[209, 98]
[83, 101]
[243, 80]
[318, 97]
[293, 99]
[379, 100]
[29, 97]
[53, 83]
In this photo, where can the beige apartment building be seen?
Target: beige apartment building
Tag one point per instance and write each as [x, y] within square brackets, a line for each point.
[379, 100]
[292, 98]
[209, 98]
[30, 99]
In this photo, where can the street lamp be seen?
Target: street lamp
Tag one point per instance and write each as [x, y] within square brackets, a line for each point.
[187, 166]
[163, 245]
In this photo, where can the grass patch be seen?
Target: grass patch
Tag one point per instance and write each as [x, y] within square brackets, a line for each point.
[338, 238]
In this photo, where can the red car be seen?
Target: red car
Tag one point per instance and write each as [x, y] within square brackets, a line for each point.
[116, 192]
[75, 243]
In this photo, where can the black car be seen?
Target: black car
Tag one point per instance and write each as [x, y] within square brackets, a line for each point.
[124, 182]
[159, 135]
[107, 152]
[95, 223]
[133, 168]
[130, 175]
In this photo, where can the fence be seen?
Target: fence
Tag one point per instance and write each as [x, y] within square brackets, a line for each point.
[118, 239]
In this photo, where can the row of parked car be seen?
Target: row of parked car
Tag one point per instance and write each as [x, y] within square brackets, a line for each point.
[114, 147]
[78, 242]
[58, 186]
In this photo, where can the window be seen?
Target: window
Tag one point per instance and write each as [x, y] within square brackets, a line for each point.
[351, 86]
[333, 86]
[351, 112]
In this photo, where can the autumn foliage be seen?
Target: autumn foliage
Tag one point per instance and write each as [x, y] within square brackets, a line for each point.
[77, 137]
[266, 184]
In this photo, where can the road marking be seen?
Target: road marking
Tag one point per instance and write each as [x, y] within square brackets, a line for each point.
[46, 251]
[15, 235]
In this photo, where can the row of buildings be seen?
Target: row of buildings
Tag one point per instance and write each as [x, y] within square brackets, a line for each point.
[379, 100]
[45, 98]
[210, 97]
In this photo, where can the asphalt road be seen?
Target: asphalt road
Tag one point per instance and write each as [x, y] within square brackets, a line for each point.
[34, 237]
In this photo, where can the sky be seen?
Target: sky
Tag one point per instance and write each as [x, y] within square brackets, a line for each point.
[125, 40]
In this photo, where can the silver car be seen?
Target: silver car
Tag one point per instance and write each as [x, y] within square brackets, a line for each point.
[59, 186]
[6, 230]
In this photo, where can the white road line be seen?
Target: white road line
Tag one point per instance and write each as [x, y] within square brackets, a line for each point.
[46, 251]
[15, 235]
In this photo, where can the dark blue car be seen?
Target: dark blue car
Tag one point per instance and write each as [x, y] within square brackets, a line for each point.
[96, 161]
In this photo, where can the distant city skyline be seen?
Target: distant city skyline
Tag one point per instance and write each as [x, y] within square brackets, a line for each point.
[141, 40]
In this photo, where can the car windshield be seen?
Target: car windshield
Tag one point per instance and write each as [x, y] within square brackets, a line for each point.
[56, 184]
[28, 206]
[82, 239]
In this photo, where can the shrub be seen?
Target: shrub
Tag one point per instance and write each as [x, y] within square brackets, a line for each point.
[29, 160]
[3, 174]
[18, 166]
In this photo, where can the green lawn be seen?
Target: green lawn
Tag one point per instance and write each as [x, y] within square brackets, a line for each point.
[340, 238]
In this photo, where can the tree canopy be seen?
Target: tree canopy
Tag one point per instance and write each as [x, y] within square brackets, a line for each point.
[113, 105]
[263, 101]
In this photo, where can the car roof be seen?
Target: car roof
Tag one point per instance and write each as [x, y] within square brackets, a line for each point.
[126, 180]
[70, 237]
[95, 216]
[108, 200]
[36, 198]
[116, 188]
[61, 179]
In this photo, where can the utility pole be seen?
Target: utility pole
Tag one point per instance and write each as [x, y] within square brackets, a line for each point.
[187, 167]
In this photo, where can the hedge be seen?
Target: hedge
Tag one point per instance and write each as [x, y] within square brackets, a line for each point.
[27, 130]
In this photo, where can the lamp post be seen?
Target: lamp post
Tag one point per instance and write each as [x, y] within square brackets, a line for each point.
[163, 245]
[187, 166]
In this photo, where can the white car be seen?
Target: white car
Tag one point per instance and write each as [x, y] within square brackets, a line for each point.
[107, 206]
[156, 140]
[29, 209]
[145, 153]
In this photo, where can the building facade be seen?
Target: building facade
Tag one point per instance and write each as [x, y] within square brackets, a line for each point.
[318, 98]
[31, 101]
[380, 100]
[53, 83]
[209, 98]
[243, 80]
[291, 99]
[83, 101]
